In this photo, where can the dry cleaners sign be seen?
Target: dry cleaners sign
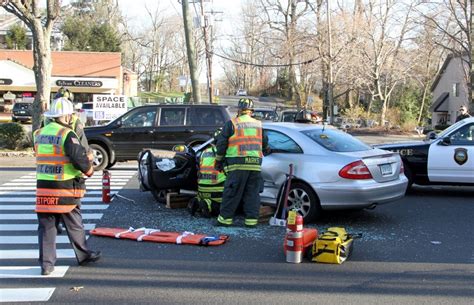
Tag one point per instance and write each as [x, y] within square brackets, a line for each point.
[108, 107]
[78, 83]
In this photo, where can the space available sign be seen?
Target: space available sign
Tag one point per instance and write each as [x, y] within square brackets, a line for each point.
[108, 107]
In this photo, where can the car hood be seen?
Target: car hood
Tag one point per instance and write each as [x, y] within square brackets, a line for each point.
[97, 129]
[402, 144]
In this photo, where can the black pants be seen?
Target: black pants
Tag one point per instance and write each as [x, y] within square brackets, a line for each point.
[47, 236]
[241, 186]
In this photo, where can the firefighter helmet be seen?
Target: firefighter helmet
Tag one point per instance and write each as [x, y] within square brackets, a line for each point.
[245, 104]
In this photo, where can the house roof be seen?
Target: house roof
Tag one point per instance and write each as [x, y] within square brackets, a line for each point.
[73, 64]
[443, 68]
[437, 106]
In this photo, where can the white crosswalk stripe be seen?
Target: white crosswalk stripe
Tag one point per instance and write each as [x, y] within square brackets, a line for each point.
[18, 225]
[26, 294]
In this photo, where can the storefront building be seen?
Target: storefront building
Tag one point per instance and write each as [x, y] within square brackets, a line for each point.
[83, 73]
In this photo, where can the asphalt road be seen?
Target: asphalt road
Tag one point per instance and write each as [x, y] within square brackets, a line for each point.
[418, 250]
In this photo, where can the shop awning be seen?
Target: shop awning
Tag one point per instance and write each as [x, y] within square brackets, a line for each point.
[15, 77]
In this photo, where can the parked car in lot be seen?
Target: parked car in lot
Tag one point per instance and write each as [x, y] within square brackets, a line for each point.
[332, 170]
[22, 112]
[447, 158]
[86, 113]
[241, 92]
[159, 126]
[265, 114]
[288, 115]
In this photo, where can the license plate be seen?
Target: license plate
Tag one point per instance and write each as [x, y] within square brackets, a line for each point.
[386, 169]
[21, 112]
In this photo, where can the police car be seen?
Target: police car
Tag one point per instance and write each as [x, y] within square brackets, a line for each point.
[446, 158]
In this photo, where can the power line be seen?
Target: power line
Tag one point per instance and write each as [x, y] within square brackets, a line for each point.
[264, 65]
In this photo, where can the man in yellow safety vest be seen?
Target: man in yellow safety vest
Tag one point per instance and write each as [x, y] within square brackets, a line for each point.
[240, 148]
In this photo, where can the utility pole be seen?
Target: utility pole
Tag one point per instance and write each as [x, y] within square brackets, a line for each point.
[208, 55]
[191, 52]
[330, 94]
[207, 33]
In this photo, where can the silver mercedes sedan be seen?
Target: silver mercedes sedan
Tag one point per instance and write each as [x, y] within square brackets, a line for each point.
[332, 170]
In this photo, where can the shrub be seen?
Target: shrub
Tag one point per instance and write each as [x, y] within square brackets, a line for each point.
[409, 125]
[27, 141]
[441, 126]
[12, 134]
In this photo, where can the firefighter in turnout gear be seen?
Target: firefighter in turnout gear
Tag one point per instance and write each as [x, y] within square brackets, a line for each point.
[240, 148]
[61, 161]
[210, 186]
[78, 128]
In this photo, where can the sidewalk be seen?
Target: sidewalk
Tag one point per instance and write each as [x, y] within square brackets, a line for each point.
[5, 117]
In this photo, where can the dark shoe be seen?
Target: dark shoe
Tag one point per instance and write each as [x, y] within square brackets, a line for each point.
[251, 226]
[93, 257]
[193, 206]
[220, 224]
[47, 271]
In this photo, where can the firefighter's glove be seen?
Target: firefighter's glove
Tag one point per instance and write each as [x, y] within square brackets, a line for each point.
[219, 166]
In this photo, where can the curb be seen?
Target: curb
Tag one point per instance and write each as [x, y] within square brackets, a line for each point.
[16, 154]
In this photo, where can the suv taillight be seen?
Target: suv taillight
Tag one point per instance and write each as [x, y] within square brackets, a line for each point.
[402, 168]
[355, 170]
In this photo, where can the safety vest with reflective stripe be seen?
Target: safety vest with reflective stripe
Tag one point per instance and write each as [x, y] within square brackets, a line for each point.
[55, 174]
[244, 149]
[208, 175]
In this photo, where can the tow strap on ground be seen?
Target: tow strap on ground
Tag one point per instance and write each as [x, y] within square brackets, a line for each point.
[157, 236]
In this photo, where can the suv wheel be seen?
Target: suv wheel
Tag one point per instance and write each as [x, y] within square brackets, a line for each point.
[101, 158]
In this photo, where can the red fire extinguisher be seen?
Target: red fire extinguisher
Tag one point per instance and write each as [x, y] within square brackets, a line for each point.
[106, 187]
[294, 238]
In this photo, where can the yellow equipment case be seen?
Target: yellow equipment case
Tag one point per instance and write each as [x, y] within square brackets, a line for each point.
[334, 246]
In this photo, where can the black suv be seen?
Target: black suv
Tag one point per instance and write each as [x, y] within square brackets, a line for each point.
[156, 127]
[22, 112]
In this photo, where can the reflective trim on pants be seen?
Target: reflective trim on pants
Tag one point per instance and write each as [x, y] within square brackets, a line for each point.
[224, 221]
[251, 221]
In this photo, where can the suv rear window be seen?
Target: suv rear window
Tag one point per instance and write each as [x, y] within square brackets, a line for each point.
[335, 140]
[88, 106]
[207, 117]
[172, 116]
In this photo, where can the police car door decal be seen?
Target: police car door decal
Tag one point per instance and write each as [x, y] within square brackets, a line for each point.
[452, 163]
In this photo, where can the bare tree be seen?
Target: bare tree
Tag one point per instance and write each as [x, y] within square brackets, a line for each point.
[283, 17]
[382, 49]
[452, 20]
[41, 26]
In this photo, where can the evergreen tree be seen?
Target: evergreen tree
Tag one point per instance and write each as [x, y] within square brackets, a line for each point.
[16, 37]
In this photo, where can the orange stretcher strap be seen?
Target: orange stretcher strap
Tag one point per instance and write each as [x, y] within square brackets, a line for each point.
[157, 236]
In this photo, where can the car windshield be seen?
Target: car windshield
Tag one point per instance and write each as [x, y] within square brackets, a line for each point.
[88, 106]
[288, 116]
[268, 115]
[449, 129]
[335, 140]
[21, 106]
